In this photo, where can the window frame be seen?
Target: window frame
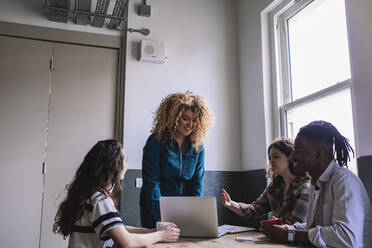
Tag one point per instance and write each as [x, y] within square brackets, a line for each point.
[279, 17]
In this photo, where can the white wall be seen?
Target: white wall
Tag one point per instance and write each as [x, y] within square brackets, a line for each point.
[252, 103]
[201, 38]
[360, 45]
[201, 41]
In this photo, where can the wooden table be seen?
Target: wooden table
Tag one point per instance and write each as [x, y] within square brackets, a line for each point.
[226, 241]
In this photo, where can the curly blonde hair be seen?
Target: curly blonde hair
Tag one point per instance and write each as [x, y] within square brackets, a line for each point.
[170, 110]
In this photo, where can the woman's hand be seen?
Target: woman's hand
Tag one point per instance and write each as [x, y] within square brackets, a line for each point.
[230, 204]
[225, 198]
[171, 233]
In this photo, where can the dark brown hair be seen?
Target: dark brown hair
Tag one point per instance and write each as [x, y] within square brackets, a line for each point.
[99, 170]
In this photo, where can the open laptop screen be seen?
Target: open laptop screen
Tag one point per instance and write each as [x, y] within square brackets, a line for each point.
[195, 216]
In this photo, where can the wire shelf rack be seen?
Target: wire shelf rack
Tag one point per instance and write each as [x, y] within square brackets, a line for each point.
[60, 11]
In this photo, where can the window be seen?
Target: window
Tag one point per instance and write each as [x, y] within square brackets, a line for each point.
[313, 67]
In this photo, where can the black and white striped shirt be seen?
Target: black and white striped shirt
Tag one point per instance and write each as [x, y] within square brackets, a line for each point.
[99, 217]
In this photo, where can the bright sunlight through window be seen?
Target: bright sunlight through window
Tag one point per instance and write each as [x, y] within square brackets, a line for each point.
[328, 109]
[318, 47]
[318, 67]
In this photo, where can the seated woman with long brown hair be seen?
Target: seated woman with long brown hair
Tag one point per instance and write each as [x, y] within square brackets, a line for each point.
[89, 214]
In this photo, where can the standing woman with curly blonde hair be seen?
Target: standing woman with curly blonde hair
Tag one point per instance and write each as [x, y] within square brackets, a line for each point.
[173, 157]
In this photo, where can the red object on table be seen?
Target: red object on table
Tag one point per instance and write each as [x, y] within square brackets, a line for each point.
[278, 221]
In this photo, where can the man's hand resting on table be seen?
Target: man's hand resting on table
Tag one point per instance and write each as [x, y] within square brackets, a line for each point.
[280, 234]
[276, 232]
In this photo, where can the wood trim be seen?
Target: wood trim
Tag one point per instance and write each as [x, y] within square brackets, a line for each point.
[120, 97]
[318, 95]
[60, 35]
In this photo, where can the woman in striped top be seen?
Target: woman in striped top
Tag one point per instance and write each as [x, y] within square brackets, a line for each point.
[89, 214]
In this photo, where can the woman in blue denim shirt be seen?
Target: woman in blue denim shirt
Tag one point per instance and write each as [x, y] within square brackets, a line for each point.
[173, 157]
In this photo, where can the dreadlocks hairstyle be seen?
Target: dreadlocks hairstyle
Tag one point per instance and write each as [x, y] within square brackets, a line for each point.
[170, 110]
[285, 146]
[325, 133]
[99, 171]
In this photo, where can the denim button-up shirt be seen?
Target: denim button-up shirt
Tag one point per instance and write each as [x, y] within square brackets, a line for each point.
[167, 171]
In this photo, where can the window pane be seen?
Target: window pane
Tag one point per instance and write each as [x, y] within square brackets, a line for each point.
[318, 47]
[335, 109]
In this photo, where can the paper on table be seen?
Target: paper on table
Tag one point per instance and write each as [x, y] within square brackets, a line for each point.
[243, 238]
[234, 229]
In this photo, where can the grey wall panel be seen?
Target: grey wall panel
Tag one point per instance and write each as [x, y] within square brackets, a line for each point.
[365, 173]
[129, 207]
[242, 186]
[230, 180]
[254, 183]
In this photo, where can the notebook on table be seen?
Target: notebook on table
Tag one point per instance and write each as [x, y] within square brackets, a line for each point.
[195, 216]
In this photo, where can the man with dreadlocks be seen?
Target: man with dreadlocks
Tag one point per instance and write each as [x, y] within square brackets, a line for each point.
[340, 210]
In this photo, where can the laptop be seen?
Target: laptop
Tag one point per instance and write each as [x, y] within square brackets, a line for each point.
[195, 216]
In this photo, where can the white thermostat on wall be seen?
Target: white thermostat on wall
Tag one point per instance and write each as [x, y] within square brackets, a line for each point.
[152, 51]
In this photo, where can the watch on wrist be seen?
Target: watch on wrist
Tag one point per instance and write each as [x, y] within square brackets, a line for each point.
[291, 235]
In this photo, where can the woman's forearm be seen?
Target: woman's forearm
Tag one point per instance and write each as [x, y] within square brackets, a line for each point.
[141, 240]
[235, 207]
[124, 239]
[133, 229]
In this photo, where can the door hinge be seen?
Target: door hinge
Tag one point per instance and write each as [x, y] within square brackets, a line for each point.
[51, 64]
[44, 168]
